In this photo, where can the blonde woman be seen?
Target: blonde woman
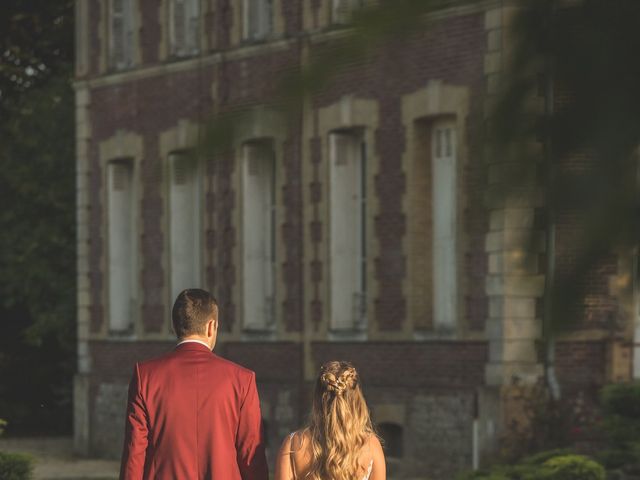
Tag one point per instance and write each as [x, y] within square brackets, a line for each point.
[339, 442]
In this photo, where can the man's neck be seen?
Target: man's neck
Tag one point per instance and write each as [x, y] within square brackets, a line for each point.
[195, 339]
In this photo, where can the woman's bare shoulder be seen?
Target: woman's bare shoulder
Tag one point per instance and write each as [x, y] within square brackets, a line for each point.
[374, 442]
[299, 439]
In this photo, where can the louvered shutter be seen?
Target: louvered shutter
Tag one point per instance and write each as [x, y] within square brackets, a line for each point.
[117, 33]
[193, 26]
[184, 222]
[179, 19]
[258, 236]
[444, 226]
[120, 244]
[346, 230]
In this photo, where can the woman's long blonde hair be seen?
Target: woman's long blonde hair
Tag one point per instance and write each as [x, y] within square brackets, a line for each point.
[340, 424]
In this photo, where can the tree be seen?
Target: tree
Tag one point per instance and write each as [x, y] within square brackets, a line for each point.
[37, 221]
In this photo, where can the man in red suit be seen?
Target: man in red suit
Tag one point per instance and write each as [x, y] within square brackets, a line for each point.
[192, 415]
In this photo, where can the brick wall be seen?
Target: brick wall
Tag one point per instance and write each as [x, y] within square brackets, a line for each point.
[581, 364]
[394, 364]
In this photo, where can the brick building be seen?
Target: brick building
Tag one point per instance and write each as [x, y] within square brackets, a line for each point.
[367, 227]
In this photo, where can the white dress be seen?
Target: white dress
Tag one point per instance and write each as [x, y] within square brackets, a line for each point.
[366, 477]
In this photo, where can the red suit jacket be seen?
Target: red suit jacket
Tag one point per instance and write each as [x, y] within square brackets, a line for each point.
[192, 415]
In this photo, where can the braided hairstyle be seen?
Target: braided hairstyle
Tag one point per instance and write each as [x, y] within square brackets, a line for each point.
[340, 424]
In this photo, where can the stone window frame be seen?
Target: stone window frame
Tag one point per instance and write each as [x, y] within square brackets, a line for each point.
[206, 39]
[270, 319]
[129, 28]
[198, 242]
[348, 7]
[104, 30]
[237, 32]
[322, 16]
[168, 8]
[358, 324]
[349, 113]
[122, 145]
[183, 137]
[259, 123]
[436, 101]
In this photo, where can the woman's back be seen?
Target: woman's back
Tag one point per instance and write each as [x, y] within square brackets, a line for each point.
[338, 443]
[295, 458]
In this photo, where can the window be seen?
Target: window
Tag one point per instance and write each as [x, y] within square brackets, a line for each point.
[258, 19]
[341, 10]
[444, 176]
[184, 219]
[258, 235]
[121, 39]
[82, 37]
[347, 211]
[184, 27]
[122, 244]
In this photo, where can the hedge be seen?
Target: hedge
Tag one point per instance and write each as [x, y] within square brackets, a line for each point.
[15, 466]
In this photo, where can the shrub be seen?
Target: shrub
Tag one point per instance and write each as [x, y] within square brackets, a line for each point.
[573, 467]
[543, 466]
[541, 457]
[507, 472]
[622, 400]
[15, 466]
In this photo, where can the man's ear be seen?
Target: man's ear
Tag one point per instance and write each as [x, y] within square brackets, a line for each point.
[212, 326]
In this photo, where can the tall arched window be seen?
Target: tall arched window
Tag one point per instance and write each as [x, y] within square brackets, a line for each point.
[184, 27]
[184, 222]
[258, 19]
[347, 212]
[444, 186]
[121, 34]
[258, 234]
[121, 227]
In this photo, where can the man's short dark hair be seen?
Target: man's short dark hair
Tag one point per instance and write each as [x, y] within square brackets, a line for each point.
[192, 310]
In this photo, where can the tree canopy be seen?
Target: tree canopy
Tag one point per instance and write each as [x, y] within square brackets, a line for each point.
[37, 218]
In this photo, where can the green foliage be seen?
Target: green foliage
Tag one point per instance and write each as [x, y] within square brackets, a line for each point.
[575, 54]
[621, 400]
[616, 457]
[573, 467]
[37, 221]
[15, 466]
[36, 44]
[541, 457]
[505, 472]
[621, 425]
[544, 466]
[37, 234]
[3, 424]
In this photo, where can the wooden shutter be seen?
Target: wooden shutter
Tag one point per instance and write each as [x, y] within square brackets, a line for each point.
[121, 241]
[444, 171]
[129, 37]
[346, 229]
[258, 217]
[179, 19]
[193, 26]
[342, 10]
[258, 18]
[122, 33]
[184, 212]
[117, 33]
